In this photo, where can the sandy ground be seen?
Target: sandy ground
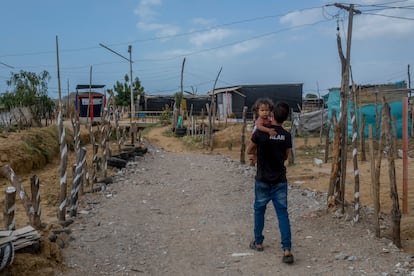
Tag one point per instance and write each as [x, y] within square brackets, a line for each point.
[181, 210]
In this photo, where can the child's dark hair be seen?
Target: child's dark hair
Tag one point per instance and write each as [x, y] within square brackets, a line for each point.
[281, 112]
[259, 102]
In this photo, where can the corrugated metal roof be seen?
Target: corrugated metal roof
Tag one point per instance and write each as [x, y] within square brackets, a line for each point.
[87, 86]
[232, 89]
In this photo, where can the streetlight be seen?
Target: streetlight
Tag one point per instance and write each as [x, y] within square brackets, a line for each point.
[130, 75]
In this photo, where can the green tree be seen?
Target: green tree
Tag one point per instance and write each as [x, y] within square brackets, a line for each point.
[123, 91]
[30, 90]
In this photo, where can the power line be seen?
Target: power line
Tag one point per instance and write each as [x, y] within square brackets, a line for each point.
[159, 37]
[390, 16]
[238, 42]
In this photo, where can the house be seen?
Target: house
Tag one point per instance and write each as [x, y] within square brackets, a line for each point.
[231, 100]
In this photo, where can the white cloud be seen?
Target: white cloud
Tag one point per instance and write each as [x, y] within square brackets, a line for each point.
[147, 19]
[145, 8]
[161, 29]
[299, 18]
[203, 21]
[238, 49]
[211, 36]
[386, 24]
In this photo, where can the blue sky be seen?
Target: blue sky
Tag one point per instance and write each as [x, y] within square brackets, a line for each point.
[254, 42]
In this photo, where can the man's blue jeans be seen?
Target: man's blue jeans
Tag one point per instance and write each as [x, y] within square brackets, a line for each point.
[277, 193]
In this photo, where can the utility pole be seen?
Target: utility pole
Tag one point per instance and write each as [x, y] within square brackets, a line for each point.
[132, 91]
[345, 62]
[58, 74]
[130, 75]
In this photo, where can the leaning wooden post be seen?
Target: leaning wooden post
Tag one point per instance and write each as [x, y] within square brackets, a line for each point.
[210, 127]
[326, 157]
[374, 186]
[334, 189]
[118, 133]
[94, 155]
[378, 163]
[295, 123]
[62, 170]
[76, 135]
[10, 208]
[405, 156]
[34, 184]
[389, 147]
[8, 173]
[243, 142]
[355, 163]
[104, 145]
[132, 132]
[76, 182]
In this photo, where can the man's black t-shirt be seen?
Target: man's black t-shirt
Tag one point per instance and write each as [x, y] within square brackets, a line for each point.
[271, 155]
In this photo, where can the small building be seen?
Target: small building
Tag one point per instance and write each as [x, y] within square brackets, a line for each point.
[89, 105]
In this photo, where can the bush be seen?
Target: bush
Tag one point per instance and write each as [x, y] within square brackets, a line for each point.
[165, 117]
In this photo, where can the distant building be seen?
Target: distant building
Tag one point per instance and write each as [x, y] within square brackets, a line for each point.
[89, 105]
[231, 100]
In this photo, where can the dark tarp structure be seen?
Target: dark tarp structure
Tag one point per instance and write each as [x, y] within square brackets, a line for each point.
[231, 100]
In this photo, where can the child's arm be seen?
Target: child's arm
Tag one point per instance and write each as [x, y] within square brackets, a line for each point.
[267, 130]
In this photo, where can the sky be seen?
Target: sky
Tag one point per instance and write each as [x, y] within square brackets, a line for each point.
[236, 42]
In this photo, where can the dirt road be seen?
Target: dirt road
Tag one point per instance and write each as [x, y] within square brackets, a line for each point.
[191, 214]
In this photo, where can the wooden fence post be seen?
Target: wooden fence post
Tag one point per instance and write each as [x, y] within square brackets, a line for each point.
[334, 189]
[34, 184]
[295, 123]
[95, 163]
[389, 147]
[355, 163]
[374, 184]
[243, 142]
[63, 164]
[326, 157]
[9, 208]
[8, 173]
[362, 138]
[76, 182]
[104, 145]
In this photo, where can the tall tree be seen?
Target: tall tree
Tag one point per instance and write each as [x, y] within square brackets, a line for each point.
[123, 92]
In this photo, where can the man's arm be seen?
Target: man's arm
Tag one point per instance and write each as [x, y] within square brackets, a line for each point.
[252, 152]
[288, 150]
[251, 148]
